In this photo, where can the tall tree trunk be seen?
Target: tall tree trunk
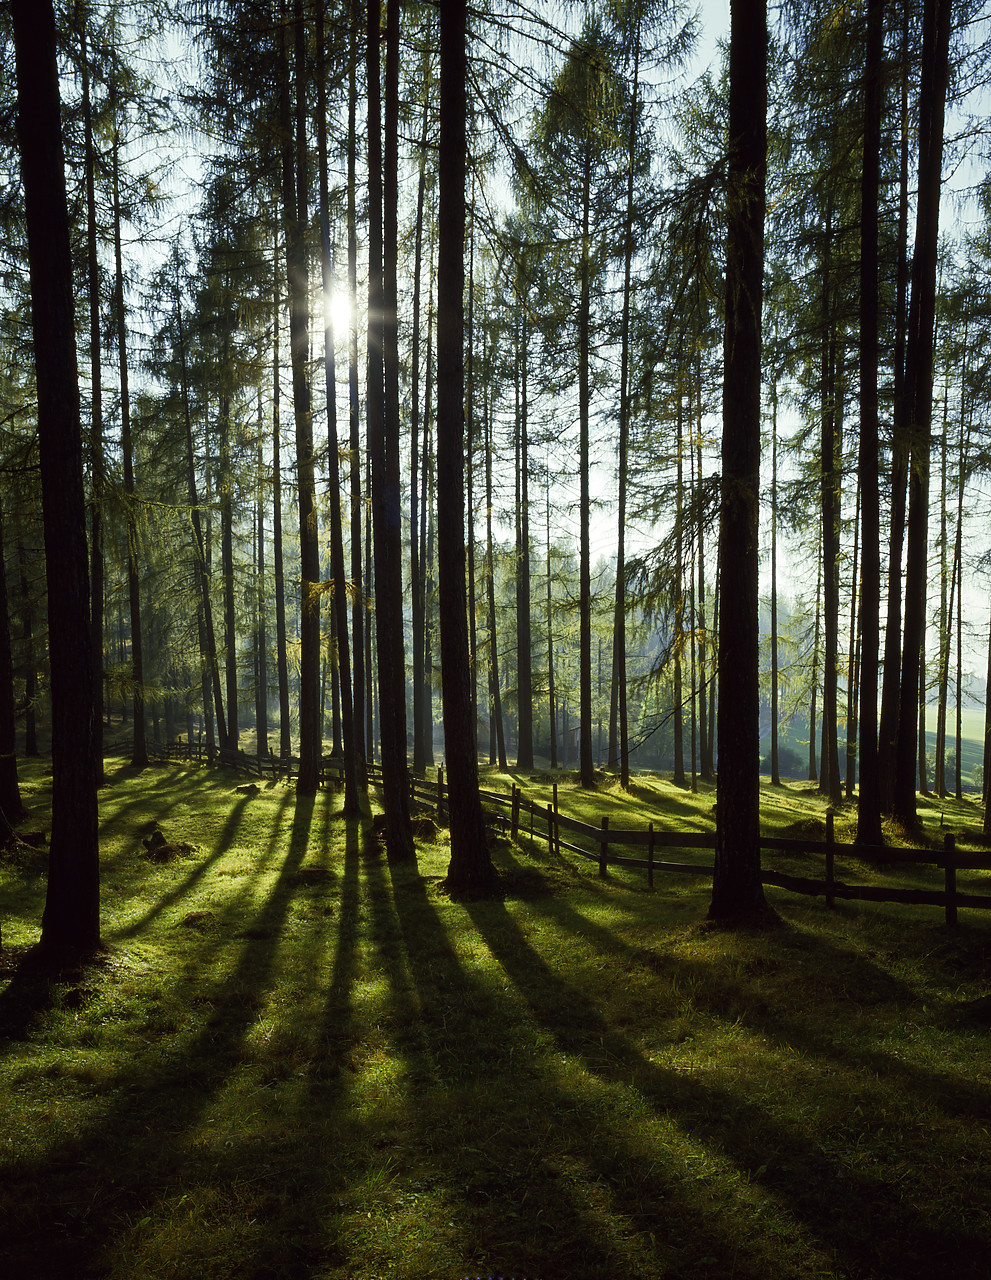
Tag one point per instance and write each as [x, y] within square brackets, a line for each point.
[524, 621]
[139, 756]
[226, 484]
[707, 683]
[497, 731]
[415, 488]
[470, 870]
[918, 392]
[261, 626]
[888, 716]
[585, 769]
[947, 591]
[354, 435]
[679, 603]
[278, 561]
[383, 429]
[427, 507]
[829, 782]
[869, 792]
[97, 466]
[737, 892]
[294, 203]
[353, 768]
[202, 565]
[71, 920]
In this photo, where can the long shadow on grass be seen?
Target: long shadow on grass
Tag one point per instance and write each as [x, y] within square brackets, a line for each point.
[855, 1217]
[495, 1127]
[232, 824]
[837, 976]
[69, 1213]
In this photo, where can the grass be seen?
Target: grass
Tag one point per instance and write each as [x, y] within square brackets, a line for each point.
[298, 1061]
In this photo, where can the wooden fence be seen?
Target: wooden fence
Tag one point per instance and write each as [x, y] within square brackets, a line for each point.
[604, 844]
[514, 813]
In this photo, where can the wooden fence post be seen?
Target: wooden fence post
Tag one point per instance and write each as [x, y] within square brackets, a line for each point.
[557, 828]
[440, 794]
[516, 813]
[550, 829]
[604, 846]
[950, 877]
[650, 857]
[830, 900]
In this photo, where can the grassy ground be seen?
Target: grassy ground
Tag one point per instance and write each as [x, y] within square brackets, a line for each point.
[296, 1061]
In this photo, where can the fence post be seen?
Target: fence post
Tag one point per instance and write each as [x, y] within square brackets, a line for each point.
[650, 857]
[550, 829]
[440, 794]
[829, 858]
[516, 813]
[604, 846]
[557, 828]
[950, 874]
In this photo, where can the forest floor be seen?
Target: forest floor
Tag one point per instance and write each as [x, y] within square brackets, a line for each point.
[295, 1060]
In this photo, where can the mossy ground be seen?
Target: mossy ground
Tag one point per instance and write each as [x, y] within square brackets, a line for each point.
[298, 1061]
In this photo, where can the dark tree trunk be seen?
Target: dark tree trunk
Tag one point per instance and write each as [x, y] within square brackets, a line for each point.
[202, 567]
[383, 430]
[869, 794]
[416, 489]
[231, 737]
[353, 768]
[97, 575]
[294, 202]
[139, 756]
[888, 715]
[918, 392]
[281, 661]
[71, 921]
[586, 773]
[261, 624]
[524, 622]
[354, 442]
[470, 870]
[737, 892]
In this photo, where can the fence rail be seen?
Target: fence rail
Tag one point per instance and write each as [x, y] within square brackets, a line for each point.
[505, 810]
[597, 844]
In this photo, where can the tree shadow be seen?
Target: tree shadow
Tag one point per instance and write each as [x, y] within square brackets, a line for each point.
[163, 1093]
[829, 1202]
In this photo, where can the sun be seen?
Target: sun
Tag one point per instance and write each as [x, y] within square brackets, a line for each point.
[339, 311]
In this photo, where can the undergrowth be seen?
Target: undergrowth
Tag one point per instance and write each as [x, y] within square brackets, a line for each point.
[297, 1061]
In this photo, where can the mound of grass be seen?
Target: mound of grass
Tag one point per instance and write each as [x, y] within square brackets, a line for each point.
[297, 1061]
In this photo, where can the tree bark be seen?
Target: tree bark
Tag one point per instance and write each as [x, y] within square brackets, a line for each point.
[353, 768]
[869, 792]
[294, 201]
[383, 429]
[139, 756]
[918, 392]
[71, 920]
[470, 871]
[737, 892]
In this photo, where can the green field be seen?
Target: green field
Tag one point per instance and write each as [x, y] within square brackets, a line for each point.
[297, 1061]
